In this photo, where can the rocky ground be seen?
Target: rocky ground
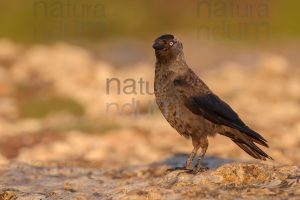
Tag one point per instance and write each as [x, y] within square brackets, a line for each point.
[58, 141]
[236, 180]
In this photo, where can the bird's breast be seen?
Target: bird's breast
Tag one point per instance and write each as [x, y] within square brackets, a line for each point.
[173, 108]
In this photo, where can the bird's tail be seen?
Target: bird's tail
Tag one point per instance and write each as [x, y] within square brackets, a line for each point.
[254, 152]
[247, 144]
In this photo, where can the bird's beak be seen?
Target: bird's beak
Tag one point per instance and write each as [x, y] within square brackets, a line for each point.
[157, 46]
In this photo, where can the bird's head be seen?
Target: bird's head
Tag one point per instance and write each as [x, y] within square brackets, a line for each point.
[167, 47]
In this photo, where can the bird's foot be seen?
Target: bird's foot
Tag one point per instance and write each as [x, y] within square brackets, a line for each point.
[199, 169]
[189, 166]
[177, 168]
[194, 170]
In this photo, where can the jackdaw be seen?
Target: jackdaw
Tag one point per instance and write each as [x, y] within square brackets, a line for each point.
[193, 109]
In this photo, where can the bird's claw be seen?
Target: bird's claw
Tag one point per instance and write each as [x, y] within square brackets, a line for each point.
[189, 167]
[197, 170]
[194, 170]
[177, 168]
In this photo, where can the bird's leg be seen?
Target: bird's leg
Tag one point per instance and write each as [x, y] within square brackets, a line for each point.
[189, 162]
[199, 166]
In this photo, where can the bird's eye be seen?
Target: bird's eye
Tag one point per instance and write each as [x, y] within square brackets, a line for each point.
[171, 43]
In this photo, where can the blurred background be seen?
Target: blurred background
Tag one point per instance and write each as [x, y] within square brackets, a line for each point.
[76, 77]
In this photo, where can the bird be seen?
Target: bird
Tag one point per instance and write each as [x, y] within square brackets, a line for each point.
[195, 111]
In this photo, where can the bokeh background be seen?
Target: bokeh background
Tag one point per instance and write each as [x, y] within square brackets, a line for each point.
[76, 77]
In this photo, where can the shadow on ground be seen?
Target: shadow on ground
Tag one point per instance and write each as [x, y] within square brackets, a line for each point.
[179, 159]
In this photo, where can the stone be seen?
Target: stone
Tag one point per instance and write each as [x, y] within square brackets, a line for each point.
[233, 180]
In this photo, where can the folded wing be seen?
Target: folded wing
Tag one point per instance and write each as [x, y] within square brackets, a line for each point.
[217, 111]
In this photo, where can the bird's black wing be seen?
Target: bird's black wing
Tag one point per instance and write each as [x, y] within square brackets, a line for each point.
[219, 112]
[212, 107]
[201, 101]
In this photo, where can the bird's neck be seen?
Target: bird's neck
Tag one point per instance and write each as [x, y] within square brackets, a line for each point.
[175, 64]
